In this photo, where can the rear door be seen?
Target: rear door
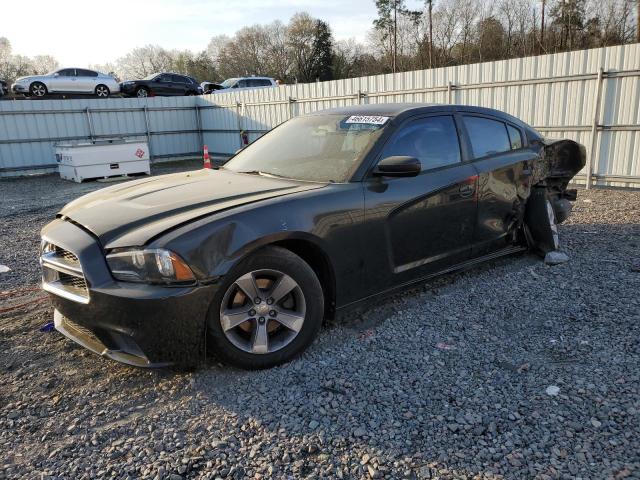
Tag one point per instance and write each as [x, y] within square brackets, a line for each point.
[420, 225]
[87, 80]
[504, 165]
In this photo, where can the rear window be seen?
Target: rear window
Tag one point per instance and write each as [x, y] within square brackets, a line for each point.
[515, 137]
[87, 73]
[259, 82]
[179, 79]
[487, 136]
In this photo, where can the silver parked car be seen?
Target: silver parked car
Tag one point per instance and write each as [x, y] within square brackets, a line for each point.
[67, 80]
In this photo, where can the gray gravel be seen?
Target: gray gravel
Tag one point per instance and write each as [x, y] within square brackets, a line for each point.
[513, 370]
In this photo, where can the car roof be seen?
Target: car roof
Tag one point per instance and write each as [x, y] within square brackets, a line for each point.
[407, 109]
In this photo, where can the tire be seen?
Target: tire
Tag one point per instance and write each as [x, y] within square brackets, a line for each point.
[102, 91]
[540, 220]
[142, 92]
[38, 89]
[239, 338]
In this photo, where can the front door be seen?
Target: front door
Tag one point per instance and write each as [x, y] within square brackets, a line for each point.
[417, 226]
[64, 81]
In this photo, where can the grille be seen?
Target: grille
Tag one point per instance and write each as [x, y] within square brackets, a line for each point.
[67, 255]
[62, 273]
[72, 282]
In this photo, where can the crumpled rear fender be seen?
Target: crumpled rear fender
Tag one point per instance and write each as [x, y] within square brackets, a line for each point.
[560, 161]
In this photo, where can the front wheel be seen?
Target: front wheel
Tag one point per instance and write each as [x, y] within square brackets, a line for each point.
[268, 310]
[102, 91]
[142, 92]
[38, 89]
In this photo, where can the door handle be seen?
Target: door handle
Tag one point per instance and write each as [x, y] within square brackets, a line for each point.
[466, 190]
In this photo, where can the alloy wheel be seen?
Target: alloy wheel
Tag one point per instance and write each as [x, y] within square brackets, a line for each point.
[38, 90]
[553, 226]
[142, 93]
[102, 91]
[262, 311]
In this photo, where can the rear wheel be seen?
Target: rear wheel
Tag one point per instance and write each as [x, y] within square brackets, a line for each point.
[38, 89]
[268, 310]
[102, 91]
[541, 222]
[142, 92]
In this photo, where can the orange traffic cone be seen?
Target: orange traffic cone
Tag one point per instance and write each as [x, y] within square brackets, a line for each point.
[207, 160]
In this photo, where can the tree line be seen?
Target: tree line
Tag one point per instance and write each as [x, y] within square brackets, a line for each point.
[439, 33]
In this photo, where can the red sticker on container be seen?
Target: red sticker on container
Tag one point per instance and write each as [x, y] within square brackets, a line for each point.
[139, 153]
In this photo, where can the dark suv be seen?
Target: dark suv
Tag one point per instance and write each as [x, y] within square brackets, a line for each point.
[161, 84]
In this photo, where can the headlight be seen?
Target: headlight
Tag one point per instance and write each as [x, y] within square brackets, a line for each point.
[126, 84]
[149, 266]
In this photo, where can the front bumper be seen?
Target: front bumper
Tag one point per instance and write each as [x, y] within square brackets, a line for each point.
[19, 88]
[138, 324]
[128, 90]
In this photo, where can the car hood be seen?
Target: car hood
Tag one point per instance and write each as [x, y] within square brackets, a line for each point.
[133, 213]
[30, 78]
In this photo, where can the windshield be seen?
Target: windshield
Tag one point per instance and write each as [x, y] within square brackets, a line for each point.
[151, 77]
[319, 148]
[228, 82]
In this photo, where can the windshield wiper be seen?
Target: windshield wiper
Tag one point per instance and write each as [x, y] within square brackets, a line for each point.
[265, 174]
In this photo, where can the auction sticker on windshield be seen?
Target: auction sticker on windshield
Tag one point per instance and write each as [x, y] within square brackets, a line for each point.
[369, 119]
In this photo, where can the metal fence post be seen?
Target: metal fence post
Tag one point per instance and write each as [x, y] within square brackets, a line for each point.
[199, 126]
[239, 111]
[359, 97]
[90, 123]
[449, 93]
[594, 129]
[147, 129]
[292, 101]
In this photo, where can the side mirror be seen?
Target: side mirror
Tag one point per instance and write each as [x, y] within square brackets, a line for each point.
[398, 166]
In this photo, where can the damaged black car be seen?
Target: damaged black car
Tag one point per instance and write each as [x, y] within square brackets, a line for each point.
[322, 213]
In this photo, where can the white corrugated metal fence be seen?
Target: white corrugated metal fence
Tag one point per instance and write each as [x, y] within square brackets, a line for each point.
[592, 96]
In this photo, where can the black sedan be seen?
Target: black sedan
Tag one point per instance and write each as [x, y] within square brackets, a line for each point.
[324, 212]
[162, 85]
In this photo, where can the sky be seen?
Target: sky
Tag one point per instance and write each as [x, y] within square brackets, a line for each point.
[80, 33]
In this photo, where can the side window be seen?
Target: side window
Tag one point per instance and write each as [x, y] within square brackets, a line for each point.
[515, 137]
[86, 73]
[487, 136]
[263, 82]
[68, 72]
[432, 140]
[242, 84]
[178, 79]
[164, 78]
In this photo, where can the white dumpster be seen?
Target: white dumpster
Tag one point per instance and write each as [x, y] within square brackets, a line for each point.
[101, 159]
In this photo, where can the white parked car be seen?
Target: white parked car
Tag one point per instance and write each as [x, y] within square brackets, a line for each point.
[246, 83]
[67, 80]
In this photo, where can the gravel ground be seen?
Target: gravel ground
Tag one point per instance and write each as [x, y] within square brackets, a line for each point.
[512, 370]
